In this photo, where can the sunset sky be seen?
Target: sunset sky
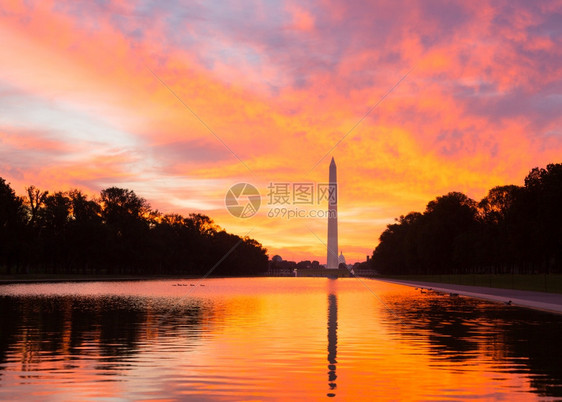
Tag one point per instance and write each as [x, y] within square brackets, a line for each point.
[179, 100]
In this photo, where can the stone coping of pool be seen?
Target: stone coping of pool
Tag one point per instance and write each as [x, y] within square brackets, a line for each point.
[551, 302]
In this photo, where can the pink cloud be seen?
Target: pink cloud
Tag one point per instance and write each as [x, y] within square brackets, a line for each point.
[302, 20]
[280, 84]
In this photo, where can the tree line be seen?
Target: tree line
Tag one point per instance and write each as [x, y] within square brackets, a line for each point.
[514, 229]
[115, 233]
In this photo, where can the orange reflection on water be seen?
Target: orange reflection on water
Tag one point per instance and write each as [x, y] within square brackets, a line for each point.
[268, 338]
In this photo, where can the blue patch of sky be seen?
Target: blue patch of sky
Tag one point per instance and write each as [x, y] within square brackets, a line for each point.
[64, 122]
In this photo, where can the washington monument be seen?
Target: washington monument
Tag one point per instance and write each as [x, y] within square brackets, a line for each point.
[332, 261]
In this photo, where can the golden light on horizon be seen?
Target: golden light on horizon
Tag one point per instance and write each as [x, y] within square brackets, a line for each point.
[273, 89]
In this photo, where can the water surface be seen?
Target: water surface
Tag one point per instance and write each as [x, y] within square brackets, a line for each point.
[270, 339]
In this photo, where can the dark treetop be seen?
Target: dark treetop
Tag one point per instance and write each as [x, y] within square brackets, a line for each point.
[512, 230]
[115, 233]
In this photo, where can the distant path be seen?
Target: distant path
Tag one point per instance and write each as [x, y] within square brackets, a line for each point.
[551, 302]
[87, 278]
[9, 280]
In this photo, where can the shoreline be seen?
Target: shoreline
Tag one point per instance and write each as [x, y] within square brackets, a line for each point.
[549, 302]
[9, 281]
[107, 278]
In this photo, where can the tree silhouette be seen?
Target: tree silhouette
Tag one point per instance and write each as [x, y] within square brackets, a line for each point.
[12, 218]
[35, 200]
[117, 233]
[512, 229]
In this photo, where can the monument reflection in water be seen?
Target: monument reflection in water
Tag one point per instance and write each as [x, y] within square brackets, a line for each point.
[332, 337]
[270, 339]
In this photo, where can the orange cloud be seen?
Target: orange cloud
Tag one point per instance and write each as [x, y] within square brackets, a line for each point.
[178, 108]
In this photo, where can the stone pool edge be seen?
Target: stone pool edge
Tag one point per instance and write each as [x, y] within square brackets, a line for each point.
[550, 302]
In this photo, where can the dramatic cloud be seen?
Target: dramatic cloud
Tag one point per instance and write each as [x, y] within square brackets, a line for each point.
[179, 100]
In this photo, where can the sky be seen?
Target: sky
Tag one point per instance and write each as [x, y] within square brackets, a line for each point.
[180, 100]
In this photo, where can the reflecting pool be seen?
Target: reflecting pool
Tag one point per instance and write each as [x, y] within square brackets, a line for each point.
[270, 339]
